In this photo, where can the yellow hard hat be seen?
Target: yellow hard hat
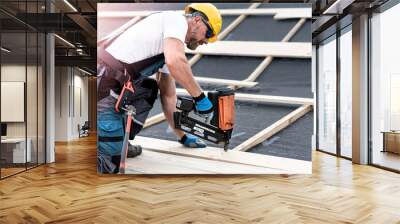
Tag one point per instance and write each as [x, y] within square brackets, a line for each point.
[213, 16]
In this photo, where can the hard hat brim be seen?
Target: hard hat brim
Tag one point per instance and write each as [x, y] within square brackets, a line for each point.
[212, 39]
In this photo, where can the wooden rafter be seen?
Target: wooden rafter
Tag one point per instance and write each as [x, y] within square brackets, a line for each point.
[255, 49]
[263, 98]
[225, 82]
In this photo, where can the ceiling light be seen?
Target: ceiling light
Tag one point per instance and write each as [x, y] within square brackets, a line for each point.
[84, 71]
[70, 5]
[5, 50]
[337, 7]
[64, 40]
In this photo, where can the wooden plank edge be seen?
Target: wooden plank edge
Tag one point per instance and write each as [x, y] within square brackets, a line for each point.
[154, 120]
[262, 98]
[165, 163]
[225, 81]
[283, 165]
[280, 49]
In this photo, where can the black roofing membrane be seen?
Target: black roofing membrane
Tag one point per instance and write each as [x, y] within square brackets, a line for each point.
[284, 5]
[261, 28]
[250, 119]
[304, 34]
[226, 21]
[225, 67]
[156, 108]
[284, 77]
[292, 142]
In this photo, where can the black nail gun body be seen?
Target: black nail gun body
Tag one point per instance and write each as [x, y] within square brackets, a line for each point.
[217, 130]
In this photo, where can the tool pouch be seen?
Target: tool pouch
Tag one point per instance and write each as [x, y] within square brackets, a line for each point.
[124, 99]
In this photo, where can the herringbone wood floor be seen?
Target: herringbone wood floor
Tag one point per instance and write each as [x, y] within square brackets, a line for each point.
[70, 191]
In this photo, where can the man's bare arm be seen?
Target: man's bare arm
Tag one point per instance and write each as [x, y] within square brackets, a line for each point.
[168, 100]
[178, 65]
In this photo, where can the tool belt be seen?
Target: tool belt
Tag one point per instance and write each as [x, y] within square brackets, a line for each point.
[103, 57]
[137, 70]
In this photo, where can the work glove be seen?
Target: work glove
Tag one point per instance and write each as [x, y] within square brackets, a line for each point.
[191, 141]
[204, 107]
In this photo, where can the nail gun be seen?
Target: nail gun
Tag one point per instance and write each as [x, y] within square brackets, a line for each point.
[217, 130]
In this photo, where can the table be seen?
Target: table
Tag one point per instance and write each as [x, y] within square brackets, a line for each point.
[391, 141]
[16, 147]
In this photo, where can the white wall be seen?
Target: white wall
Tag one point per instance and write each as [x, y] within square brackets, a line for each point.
[14, 72]
[61, 103]
[70, 83]
[79, 117]
[33, 126]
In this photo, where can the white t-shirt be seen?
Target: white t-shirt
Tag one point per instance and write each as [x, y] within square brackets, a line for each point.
[145, 39]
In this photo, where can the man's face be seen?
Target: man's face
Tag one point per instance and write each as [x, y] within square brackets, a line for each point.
[198, 33]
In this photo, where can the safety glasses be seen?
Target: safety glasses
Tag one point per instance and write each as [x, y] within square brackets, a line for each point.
[209, 32]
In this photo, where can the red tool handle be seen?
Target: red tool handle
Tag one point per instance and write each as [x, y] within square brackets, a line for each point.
[124, 152]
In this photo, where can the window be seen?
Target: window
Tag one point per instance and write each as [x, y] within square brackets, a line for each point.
[327, 95]
[385, 89]
[22, 88]
[346, 92]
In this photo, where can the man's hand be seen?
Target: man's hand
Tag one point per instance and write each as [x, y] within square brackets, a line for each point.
[191, 141]
[204, 107]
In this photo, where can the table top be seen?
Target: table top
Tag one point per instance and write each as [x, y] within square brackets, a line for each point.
[391, 132]
[14, 140]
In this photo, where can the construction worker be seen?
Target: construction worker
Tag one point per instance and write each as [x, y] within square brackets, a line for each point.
[155, 44]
